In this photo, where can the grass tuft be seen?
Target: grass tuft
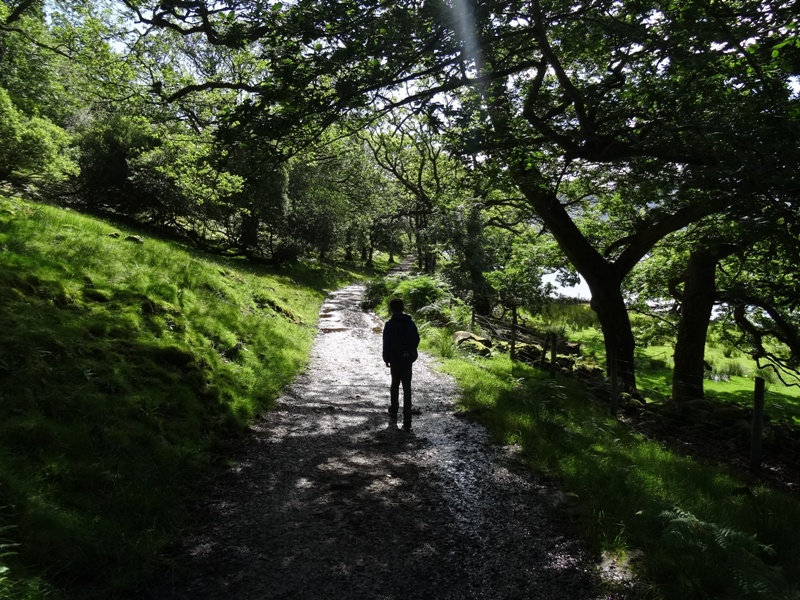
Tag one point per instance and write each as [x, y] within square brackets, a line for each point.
[629, 493]
[125, 369]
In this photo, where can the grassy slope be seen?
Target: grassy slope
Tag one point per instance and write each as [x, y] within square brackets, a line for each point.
[699, 526]
[622, 484]
[733, 370]
[124, 368]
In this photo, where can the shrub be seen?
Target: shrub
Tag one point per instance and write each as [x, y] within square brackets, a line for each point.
[733, 368]
[729, 351]
[767, 375]
[420, 291]
[707, 556]
[375, 293]
[106, 147]
[32, 147]
[578, 316]
[443, 343]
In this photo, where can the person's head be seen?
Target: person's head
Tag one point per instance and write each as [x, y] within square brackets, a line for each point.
[396, 305]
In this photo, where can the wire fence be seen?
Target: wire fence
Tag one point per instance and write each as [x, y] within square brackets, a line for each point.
[727, 431]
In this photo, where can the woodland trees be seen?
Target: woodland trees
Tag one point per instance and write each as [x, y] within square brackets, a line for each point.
[617, 128]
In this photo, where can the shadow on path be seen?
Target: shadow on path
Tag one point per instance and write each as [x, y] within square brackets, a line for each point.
[330, 502]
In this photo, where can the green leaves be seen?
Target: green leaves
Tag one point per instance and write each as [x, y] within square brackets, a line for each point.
[32, 147]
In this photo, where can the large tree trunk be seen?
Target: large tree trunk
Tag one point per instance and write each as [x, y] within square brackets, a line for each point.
[697, 302]
[249, 235]
[608, 303]
[604, 278]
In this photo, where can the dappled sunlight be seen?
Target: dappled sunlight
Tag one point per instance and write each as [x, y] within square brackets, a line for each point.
[344, 499]
[122, 365]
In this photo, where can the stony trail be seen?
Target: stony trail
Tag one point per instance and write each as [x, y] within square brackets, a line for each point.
[330, 501]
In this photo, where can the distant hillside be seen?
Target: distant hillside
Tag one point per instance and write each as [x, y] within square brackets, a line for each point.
[126, 363]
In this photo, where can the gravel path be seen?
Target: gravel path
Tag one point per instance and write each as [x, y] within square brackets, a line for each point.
[329, 501]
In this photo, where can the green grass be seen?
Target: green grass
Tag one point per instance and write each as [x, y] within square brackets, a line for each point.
[629, 493]
[702, 531]
[125, 369]
[731, 378]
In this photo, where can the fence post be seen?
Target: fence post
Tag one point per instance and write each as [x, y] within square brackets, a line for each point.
[543, 358]
[553, 356]
[514, 332]
[758, 423]
[471, 300]
[612, 372]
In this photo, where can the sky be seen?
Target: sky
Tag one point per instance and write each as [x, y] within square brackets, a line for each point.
[578, 291]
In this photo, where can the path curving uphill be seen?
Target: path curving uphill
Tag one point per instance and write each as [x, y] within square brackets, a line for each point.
[328, 501]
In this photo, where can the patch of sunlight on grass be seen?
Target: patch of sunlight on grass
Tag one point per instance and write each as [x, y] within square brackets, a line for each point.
[125, 367]
[622, 484]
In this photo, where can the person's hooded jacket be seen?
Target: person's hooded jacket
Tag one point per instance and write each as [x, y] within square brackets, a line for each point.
[400, 339]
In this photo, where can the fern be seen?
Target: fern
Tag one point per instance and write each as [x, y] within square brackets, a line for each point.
[716, 561]
[5, 552]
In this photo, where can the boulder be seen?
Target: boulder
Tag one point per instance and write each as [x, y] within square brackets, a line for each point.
[474, 347]
[459, 337]
[529, 352]
[588, 372]
[569, 348]
[726, 414]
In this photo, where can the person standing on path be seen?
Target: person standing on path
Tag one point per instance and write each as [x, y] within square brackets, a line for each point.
[400, 341]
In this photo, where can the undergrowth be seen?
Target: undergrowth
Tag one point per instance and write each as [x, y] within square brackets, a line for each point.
[630, 495]
[126, 366]
[691, 530]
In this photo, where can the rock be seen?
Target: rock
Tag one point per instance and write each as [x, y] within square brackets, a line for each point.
[529, 352]
[588, 372]
[459, 337]
[741, 429]
[114, 235]
[135, 239]
[726, 414]
[475, 347]
[501, 347]
[569, 348]
[699, 406]
[565, 362]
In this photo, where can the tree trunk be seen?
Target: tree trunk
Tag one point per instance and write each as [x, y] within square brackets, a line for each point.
[608, 303]
[697, 303]
[430, 262]
[603, 277]
[249, 236]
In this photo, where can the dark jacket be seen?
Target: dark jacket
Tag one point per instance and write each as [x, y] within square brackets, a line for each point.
[400, 339]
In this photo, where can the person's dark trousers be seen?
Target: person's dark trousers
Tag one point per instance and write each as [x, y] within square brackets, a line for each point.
[401, 373]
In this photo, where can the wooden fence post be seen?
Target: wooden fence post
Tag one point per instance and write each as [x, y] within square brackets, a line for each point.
[514, 332]
[758, 424]
[471, 300]
[553, 355]
[612, 372]
[543, 358]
